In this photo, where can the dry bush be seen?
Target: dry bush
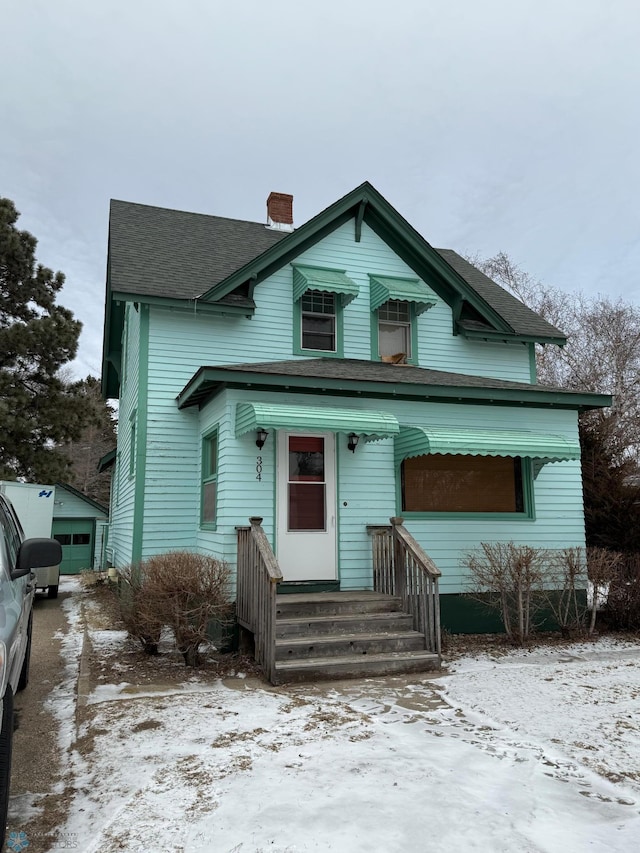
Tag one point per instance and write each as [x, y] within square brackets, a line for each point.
[136, 610]
[603, 566]
[185, 592]
[564, 575]
[505, 577]
[623, 598]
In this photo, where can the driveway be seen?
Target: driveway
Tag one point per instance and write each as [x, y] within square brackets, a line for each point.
[37, 775]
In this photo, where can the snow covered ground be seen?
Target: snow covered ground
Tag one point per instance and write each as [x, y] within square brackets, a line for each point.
[526, 752]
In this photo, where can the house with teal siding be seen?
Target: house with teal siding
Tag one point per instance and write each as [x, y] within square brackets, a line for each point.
[338, 410]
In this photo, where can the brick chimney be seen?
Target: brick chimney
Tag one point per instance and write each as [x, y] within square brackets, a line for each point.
[280, 211]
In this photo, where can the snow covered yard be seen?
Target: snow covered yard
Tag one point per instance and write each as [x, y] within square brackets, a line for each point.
[531, 751]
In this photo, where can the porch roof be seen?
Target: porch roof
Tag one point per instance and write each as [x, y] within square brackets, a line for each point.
[420, 440]
[352, 378]
[372, 425]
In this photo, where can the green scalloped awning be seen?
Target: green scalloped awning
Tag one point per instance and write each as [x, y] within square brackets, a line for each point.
[418, 441]
[384, 288]
[329, 281]
[372, 425]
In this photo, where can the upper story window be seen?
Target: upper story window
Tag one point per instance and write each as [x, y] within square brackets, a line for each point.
[320, 296]
[394, 329]
[396, 304]
[318, 328]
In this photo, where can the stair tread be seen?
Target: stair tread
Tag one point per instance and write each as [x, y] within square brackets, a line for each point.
[330, 663]
[341, 638]
[324, 597]
[342, 617]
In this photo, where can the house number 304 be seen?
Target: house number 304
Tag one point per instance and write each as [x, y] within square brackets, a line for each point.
[259, 468]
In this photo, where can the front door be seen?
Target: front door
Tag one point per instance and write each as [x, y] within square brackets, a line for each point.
[306, 501]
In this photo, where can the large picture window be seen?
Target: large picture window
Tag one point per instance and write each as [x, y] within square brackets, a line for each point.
[460, 483]
[209, 478]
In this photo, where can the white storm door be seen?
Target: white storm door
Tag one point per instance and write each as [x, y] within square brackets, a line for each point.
[306, 501]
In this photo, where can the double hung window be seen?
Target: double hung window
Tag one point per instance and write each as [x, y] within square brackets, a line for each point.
[394, 329]
[318, 326]
[209, 479]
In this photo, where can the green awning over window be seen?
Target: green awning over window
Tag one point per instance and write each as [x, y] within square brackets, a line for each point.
[372, 425]
[384, 288]
[329, 281]
[418, 441]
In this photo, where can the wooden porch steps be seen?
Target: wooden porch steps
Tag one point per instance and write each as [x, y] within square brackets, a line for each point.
[346, 635]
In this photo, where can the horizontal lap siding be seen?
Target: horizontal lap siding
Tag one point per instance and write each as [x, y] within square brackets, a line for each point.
[367, 484]
[558, 503]
[438, 348]
[180, 342]
[122, 509]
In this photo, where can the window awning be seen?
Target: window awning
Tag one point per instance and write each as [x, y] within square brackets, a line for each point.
[371, 425]
[417, 441]
[329, 281]
[384, 288]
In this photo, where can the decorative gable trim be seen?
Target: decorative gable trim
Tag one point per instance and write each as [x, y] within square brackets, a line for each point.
[365, 204]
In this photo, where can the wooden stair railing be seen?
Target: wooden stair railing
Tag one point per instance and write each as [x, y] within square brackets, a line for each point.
[258, 578]
[401, 567]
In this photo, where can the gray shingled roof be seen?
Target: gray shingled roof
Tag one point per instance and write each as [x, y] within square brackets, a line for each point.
[154, 251]
[377, 371]
[520, 318]
[401, 379]
[170, 253]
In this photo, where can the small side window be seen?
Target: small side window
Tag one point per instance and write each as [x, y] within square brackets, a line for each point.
[132, 448]
[209, 497]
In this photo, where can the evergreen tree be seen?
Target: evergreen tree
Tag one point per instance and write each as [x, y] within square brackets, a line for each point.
[38, 410]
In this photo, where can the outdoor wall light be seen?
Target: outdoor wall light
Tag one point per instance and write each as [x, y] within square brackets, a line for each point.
[352, 441]
[261, 437]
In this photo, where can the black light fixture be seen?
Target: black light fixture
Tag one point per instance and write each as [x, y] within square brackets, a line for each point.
[352, 441]
[261, 437]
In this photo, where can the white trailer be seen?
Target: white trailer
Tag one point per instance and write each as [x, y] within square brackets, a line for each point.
[33, 504]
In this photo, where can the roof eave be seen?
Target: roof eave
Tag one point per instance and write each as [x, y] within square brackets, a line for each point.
[207, 382]
[367, 203]
[492, 335]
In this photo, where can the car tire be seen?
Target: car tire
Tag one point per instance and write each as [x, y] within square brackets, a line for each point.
[6, 742]
[24, 672]
[52, 591]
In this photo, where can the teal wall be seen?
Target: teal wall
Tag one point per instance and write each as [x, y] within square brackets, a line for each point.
[182, 341]
[123, 491]
[166, 499]
[367, 483]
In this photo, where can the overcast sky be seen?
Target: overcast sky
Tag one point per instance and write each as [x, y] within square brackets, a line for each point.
[496, 125]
